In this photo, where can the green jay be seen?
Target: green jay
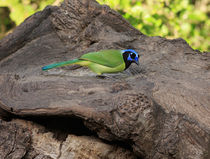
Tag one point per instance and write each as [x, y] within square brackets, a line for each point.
[104, 61]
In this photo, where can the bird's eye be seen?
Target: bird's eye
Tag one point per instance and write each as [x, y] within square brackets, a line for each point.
[138, 56]
[133, 55]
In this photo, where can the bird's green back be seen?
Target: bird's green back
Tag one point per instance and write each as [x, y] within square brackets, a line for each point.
[109, 58]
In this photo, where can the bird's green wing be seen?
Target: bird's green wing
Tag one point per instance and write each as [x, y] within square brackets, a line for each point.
[110, 58]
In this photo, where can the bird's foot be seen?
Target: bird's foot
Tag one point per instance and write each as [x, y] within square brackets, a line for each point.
[101, 76]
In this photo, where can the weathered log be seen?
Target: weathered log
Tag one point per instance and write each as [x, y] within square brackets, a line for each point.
[14, 140]
[161, 109]
[25, 139]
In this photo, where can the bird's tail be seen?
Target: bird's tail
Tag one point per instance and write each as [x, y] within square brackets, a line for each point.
[60, 64]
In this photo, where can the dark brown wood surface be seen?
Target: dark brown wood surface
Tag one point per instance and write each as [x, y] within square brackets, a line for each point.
[161, 108]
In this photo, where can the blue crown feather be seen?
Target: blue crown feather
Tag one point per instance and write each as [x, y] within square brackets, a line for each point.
[131, 50]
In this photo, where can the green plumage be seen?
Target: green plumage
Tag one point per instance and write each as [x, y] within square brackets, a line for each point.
[109, 58]
[54, 65]
[105, 61]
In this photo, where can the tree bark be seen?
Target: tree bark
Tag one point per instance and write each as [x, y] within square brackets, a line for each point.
[160, 109]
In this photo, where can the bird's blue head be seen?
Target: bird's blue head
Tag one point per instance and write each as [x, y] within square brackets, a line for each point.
[130, 56]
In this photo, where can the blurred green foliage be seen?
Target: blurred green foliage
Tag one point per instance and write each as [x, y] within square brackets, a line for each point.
[168, 18]
[18, 11]
[21, 9]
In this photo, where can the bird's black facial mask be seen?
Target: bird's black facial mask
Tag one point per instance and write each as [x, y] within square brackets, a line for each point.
[130, 56]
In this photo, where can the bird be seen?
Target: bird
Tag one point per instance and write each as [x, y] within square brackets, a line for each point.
[103, 61]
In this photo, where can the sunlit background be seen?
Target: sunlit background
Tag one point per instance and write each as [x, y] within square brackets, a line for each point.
[188, 19]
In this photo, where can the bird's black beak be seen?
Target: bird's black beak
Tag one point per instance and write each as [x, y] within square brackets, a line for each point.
[137, 62]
